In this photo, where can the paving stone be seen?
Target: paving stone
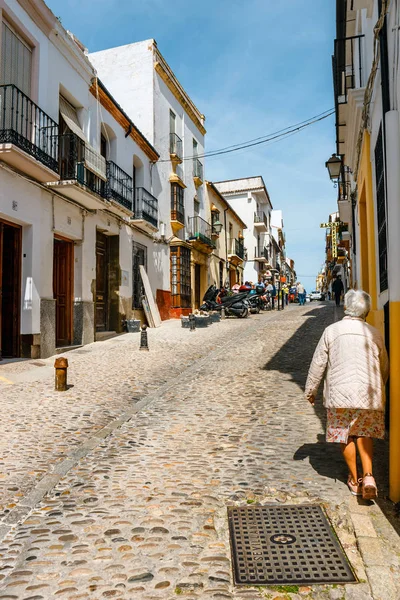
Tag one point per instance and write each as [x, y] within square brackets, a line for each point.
[141, 511]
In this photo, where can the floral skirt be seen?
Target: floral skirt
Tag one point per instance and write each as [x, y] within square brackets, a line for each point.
[343, 423]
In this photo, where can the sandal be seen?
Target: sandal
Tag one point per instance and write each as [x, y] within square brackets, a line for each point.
[369, 489]
[355, 488]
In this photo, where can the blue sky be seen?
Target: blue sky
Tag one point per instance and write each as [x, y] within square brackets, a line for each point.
[252, 68]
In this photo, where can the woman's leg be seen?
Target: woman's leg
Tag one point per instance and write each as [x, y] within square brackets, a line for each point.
[365, 447]
[350, 456]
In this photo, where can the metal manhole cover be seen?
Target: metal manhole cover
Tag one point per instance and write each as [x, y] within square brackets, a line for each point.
[284, 545]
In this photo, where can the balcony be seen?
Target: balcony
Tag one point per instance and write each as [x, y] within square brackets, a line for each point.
[198, 176]
[145, 210]
[83, 174]
[260, 221]
[177, 208]
[28, 137]
[119, 188]
[200, 234]
[175, 149]
[261, 254]
[236, 253]
[348, 75]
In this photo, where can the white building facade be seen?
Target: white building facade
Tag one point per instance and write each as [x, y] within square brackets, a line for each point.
[250, 200]
[68, 218]
[142, 81]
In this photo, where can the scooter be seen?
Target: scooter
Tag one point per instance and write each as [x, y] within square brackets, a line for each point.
[235, 305]
[256, 299]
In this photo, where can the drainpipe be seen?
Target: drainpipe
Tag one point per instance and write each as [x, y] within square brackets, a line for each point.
[393, 252]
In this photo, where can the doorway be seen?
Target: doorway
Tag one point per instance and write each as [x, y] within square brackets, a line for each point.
[139, 257]
[10, 289]
[63, 277]
[102, 281]
[197, 285]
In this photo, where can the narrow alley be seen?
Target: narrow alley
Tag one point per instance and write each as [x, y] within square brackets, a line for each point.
[125, 496]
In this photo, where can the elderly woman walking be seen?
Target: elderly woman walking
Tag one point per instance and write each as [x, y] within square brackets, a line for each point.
[353, 355]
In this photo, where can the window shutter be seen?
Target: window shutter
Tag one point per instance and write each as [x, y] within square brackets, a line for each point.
[16, 60]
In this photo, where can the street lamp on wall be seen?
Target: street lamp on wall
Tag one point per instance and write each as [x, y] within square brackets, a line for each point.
[334, 165]
[217, 227]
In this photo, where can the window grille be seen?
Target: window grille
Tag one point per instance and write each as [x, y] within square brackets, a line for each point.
[180, 277]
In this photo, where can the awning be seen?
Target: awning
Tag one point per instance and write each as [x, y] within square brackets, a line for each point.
[70, 117]
[93, 160]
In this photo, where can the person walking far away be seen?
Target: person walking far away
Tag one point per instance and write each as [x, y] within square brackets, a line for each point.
[354, 356]
[301, 293]
[337, 289]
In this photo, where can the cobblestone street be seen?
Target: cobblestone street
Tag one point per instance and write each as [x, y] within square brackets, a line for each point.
[118, 488]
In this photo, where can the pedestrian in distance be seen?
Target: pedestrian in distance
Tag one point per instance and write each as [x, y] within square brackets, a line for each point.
[301, 292]
[272, 292]
[352, 356]
[337, 289]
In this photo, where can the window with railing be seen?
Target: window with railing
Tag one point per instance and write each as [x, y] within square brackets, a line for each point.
[72, 163]
[381, 211]
[180, 277]
[146, 206]
[201, 230]
[119, 185]
[197, 169]
[260, 217]
[239, 248]
[175, 145]
[347, 66]
[24, 124]
[177, 203]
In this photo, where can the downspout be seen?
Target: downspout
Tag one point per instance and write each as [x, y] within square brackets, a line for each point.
[393, 253]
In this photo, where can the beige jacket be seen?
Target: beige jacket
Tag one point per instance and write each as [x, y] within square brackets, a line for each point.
[354, 357]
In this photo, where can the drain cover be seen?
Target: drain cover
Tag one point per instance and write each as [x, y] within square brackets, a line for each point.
[284, 545]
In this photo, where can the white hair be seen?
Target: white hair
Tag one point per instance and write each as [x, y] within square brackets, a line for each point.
[357, 303]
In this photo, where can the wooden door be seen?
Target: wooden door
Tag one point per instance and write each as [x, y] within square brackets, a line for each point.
[197, 285]
[102, 280]
[63, 289]
[10, 289]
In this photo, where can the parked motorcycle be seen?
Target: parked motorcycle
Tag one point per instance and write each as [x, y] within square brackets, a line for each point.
[235, 305]
[256, 299]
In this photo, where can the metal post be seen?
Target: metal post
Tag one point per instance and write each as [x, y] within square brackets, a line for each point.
[192, 322]
[143, 339]
[279, 292]
[61, 366]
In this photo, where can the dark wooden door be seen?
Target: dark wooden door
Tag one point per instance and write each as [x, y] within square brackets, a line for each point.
[63, 289]
[102, 281]
[197, 281]
[10, 289]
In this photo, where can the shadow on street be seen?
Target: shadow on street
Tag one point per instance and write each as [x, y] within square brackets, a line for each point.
[294, 359]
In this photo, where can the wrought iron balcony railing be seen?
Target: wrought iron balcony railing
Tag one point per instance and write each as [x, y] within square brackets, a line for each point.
[262, 252]
[347, 67]
[175, 145]
[239, 249]
[260, 217]
[119, 185]
[73, 164]
[197, 169]
[200, 230]
[146, 206]
[27, 126]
